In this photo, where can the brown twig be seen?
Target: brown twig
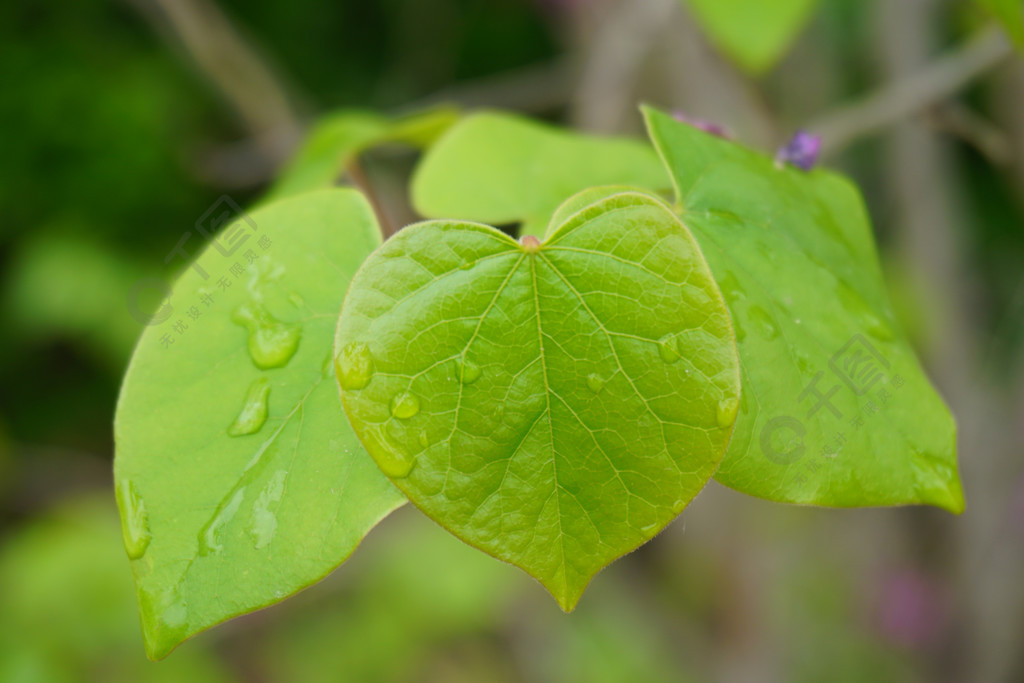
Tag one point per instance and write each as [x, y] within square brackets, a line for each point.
[354, 170]
[975, 130]
[234, 67]
[912, 93]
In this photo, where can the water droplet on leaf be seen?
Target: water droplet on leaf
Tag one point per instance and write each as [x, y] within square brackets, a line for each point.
[354, 366]
[405, 405]
[167, 607]
[595, 382]
[254, 412]
[424, 439]
[469, 372]
[395, 465]
[175, 615]
[210, 534]
[272, 343]
[264, 520]
[134, 520]
[877, 329]
[668, 348]
[727, 409]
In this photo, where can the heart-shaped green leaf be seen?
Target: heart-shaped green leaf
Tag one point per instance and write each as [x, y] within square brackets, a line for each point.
[237, 478]
[836, 409]
[752, 33]
[501, 169]
[554, 404]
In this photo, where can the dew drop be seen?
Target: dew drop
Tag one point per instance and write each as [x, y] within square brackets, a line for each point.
[469, 372]
[668, 348]
[166, 608]
[394, 464]
[727, 409]
[354, 366]
[595, 382]
[134, 520]
[210, 534]
[424, 439]
[264, 520]
[272, 343]
[254, 412]
[468, 265]
[405, 405]
[175, 615]
[877, 329]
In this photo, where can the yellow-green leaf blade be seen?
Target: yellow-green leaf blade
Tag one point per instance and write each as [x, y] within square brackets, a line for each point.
[238, 478]
[836, 409]
[554, 404]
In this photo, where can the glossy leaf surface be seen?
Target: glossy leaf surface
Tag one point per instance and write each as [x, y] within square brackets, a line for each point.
[238, 479]
[554, 404]
[836, 409]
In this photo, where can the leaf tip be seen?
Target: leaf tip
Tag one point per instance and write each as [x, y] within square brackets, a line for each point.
[567, 597]
[952, 498]
[157, 644]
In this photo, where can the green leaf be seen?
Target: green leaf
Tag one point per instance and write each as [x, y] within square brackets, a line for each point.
[220, 525]
[1010, 14]
[836, 409]
[68, 603]
[337, 138]
[500, 169]
[752, 33]
[555, 404]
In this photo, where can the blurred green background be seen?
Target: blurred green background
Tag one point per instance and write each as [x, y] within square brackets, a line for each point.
[122, 122]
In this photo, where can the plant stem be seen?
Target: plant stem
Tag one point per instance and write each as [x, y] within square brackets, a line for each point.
[911, 94]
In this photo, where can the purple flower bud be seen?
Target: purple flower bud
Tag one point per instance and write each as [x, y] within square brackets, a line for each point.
[802, 151]
[701, 124]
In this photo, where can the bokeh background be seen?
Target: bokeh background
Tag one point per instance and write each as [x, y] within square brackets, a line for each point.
[122, 121]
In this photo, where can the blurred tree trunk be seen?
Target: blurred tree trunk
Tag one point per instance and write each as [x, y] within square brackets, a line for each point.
[933, 235]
